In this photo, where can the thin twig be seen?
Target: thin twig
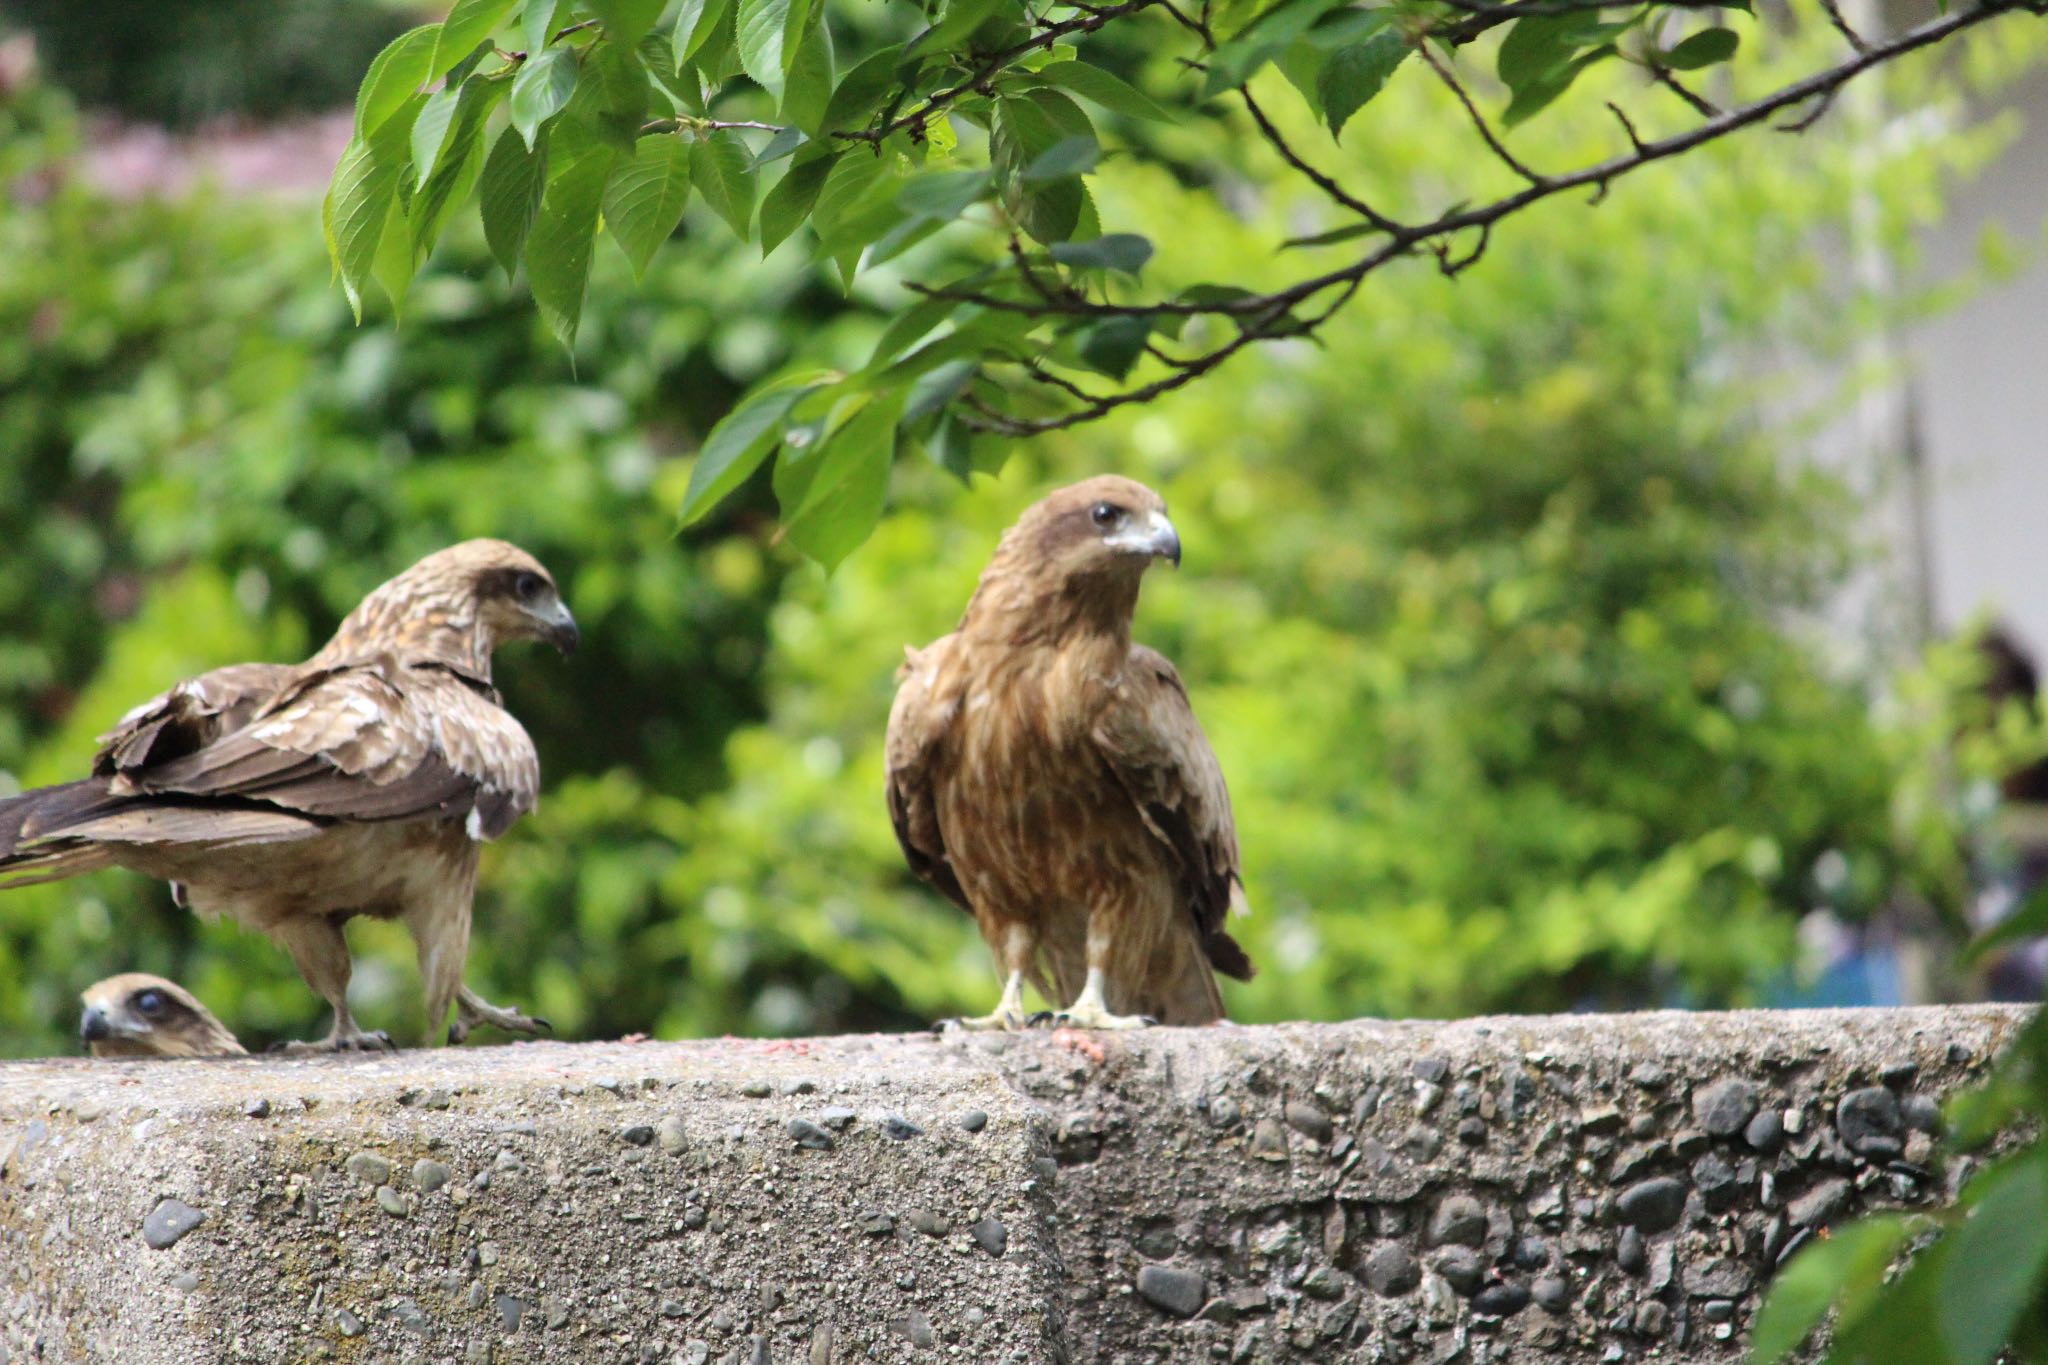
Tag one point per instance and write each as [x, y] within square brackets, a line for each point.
[1634, 140]
[1315, 177]
[1479, 120]
[1700, 103]
[1849, 35]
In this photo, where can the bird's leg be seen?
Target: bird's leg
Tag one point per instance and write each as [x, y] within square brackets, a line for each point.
[320, 951]
[1091, 1009]
[472, 1009]
[440, 935]
[1016, 950]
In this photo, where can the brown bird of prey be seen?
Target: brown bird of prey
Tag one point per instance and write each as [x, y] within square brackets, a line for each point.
[138, 1015]
[1049, 777]
[292, 798]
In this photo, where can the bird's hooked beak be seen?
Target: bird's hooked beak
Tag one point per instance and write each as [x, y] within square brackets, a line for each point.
[94, 1026]
[1151, 535]
[558, 627]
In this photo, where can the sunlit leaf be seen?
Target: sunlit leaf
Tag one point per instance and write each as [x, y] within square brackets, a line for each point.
[626, 22]
[1125, 251]
[1098, 86]
[1818, 1277]
[468, 24]
[1351, 76]
[541, 90]
[558, 250]
[399, 70]
[718, 169]
[509, 195]
[738, 444]
[784, 208]
[1704, 48]
[1996, 1260]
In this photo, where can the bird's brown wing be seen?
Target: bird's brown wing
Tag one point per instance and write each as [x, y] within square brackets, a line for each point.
[373, 741]
[1152, 742]
[923, 712]
[190, 716]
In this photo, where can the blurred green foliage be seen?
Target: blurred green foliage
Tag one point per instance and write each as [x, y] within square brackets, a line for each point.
[1498, 602]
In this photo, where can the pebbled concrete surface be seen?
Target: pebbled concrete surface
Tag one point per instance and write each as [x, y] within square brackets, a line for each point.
[1586, 1188]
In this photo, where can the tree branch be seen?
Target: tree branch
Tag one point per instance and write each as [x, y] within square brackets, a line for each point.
[1262, 317]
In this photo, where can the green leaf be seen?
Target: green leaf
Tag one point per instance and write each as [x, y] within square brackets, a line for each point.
[393, 265]
[538, 22]
[938, 387]
[1238, 60]
[785, 142]
[954, 27]
[1537, 95]
[558, 251]
[853, 104]
[741, 440]
[1097, 86]
[430, 130]
[508, 196]
[1996, 1258]
[911, 326]
[1125, 251]
[1113, 345]
[457, 161]
[361, 198]
[943, 195]
[468, 24]
[1333, 236]
[1022, 131]
[2030, 920]
[844, 483]
[611, 96]
[1351, 76]
[1704, 48]
[394, 74]
[808, 87]
[719, 171]
[1849, 1262]
[695, 22]
[784, 208]
[645, 198]
[856, 205]
[626, 22]
[763, 25]
[541, 89]
[1068, 157]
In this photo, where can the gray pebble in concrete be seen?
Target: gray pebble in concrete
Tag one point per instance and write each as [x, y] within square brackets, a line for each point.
[837, 1117]
[1459, 1219]
[900, 1128]
[428, 1176]
[1309, 1121]
[973, 1121]
[1553, 1293]
[347, 1323]
[1172, 1289]
[1631, 1254]
[391, 1201]
[1725, 1106]
[369, 1168]
[1765, 1132]
[1390, 1270]
[1869, 1122]
[991, 1236]
[637, 1135]
[1921, 1114]
[1501, 1300]
[1819, 1204]
[809, 1135]
[1461, 1268]
[169, 1221]
[670, 1136]
[1652, 1205]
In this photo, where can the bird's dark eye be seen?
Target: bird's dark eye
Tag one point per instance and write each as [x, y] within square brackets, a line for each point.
[1107, 515]
[528, 586]
[149, 1004]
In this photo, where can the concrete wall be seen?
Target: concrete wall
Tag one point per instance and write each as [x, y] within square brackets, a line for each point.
[1586, 1188]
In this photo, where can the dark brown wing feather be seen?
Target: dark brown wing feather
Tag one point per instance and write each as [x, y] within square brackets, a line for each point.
[1156, 748]
[919, 719]
[191, 716]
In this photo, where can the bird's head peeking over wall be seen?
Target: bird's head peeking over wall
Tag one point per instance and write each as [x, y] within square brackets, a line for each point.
[136, 1015]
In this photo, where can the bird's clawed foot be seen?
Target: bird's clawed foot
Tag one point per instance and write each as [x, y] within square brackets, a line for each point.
[351, 1039]
[1004, 1020]
[472, 1009]
[1082, 1014]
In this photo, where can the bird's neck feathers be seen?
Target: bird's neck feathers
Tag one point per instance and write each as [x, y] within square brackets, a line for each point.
[1022, 606]
[411, 622]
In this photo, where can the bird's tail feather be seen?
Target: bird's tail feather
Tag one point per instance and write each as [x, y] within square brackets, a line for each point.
[1188, 994]
[28, 851]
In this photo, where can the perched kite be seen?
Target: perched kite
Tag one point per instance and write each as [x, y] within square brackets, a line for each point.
[361, 782]
[1049, 777]
[136, 1015]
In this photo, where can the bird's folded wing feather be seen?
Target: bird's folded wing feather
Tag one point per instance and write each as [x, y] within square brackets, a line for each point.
[371, 741]
[923, 712]
[1156, 748]
[190, 716]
